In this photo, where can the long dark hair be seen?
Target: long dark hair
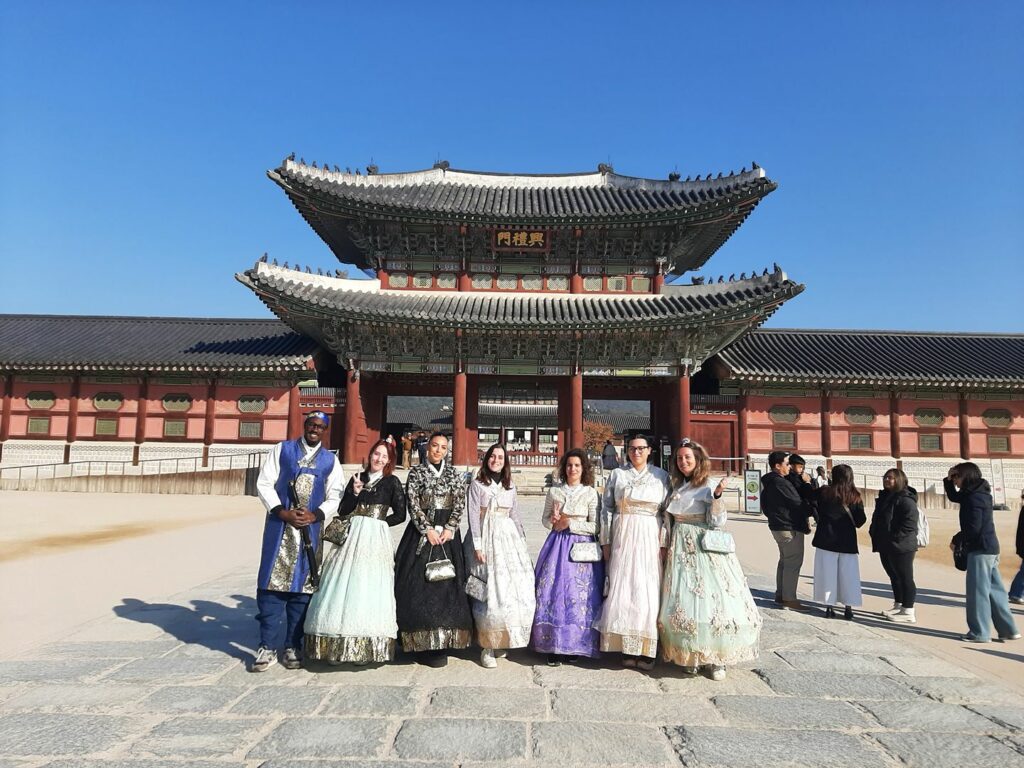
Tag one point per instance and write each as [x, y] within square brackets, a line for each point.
[485, 475]
[842, 488]
[586, 476]
[968, 475]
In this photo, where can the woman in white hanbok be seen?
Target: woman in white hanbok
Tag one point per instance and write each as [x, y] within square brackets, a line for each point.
[499, 558]
[351, 619]
[632, 537]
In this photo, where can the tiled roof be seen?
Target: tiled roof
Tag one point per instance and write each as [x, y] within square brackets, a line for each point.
[285, 290]
[72, 342]
[452, 194]
[878, 357]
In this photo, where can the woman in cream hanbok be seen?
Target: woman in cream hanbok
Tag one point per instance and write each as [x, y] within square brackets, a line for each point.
[708, 618]
[351, 619]
[631, 536]
[500, 559]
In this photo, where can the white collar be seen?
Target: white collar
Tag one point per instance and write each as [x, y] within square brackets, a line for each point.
[372, 477]
[437, 472]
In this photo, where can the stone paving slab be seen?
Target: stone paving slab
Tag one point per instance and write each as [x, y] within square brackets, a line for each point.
[877, 646]
[360, 762]
[743, 748]
[155, 671]
[581, 705]
[85, 697]
[924, 666]
[926, 716]
[199, 737]
[789, 712]
[28, 734]
[128, 762]
[194, 699]
[510, 673]
[574, 743]
[579, 676]
[737, 681]
[323, 737]
[794, 683]
[373, 701]
[837, 663]
[939, 750]
[396, 673]
[1011, 717]
[956, 690]
[461, 740]
[275, 700]
[511, 704]
[54, 671]
[112, 649]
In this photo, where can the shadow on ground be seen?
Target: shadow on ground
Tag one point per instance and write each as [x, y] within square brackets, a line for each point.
[215, 626]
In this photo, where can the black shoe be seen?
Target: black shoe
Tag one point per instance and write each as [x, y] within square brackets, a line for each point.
[574, 659]
[848, 613]
[436, 659]
[554, 660]
[830, 612]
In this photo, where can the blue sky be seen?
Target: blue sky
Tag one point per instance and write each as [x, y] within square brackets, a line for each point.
[135, 137]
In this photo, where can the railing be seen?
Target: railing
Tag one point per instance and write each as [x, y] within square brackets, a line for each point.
[527, 458]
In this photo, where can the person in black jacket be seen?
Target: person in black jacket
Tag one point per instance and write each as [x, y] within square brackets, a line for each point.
[836, 561]
[987, 602]
[787, 520]
[893, 534]
[1017, 586]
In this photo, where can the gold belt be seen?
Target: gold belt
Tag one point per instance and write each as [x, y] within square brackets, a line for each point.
[498, 511]
[691, 519]
[647, 508]
[375, 511]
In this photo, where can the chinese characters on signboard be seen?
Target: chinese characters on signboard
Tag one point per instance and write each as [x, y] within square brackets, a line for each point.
[520, 240]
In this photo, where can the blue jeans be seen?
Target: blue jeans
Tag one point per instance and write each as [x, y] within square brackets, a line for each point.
[987, 603]
[277, 608]
[1017, 585]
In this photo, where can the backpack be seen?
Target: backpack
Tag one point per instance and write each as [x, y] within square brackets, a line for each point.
[923, 531]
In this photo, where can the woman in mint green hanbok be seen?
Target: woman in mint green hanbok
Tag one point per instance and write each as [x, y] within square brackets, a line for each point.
[708, 618]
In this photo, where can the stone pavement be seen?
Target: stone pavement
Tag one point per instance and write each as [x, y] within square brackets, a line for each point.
[162, 684]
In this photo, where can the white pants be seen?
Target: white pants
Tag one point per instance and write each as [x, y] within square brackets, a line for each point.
[836, 578]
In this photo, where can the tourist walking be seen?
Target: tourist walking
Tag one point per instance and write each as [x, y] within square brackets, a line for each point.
[570, 570]
[351, 619]
[836, 556]
[893, 532]
[500, 560]
[609, 456]
[632, 538]
[987, 602]
[407, 450]
[708, 618]
[787, 515]
[299, 484]
[820, 477]
[433, 610]
[1017, 586]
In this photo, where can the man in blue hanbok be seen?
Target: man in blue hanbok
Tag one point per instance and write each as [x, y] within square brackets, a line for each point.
[300, 485]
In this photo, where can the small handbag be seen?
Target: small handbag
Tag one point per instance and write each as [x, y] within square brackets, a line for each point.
[585, 552]
[337, 530]
[717, 540]
[476, 588]
[439, 570]
[959, 552]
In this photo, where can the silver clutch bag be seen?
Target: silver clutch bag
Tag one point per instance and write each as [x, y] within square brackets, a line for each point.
[440, 570]
[716, 540]
[476, 588]
[585, 552]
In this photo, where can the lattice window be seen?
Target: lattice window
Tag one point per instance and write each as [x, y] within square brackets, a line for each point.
[532, 283]
[177, 402]
[39, 425]
[106, 428]
[617, 284]
[784, 414]
[398, 280]
[592, 283]
[508, 282]
[558, 283]
[174, 428]
[784, 440]
[41, 400]
[108, 401]
[860, 441]
[929, 417]
[641, 284]
[860, 415]
[929, 443]
[998, 444]
[997, 418]
[250, 430]
[447, 282]
[252, 404]
[422, 280]
[481, 282]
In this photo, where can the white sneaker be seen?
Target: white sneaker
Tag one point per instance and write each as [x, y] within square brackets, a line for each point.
[264, 658]
[718, 673]
[896, 608]
[487, 660]
[903, 616]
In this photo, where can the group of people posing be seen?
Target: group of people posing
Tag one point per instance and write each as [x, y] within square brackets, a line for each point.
[642, 567]
[790, 500]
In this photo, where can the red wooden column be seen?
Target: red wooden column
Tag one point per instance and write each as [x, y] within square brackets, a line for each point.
[141, 411]
[575, 410]
[465, 282]
[683, 405]
[355, 419]
[658, 282]
[382, 275]
[72, 434]
[741, 428]
[965, 429]
[894, 427]
[208, 422]
[463, 456]
[472, 416]
[826, 427]
[564, 417]
[294, 412]
[5, 411]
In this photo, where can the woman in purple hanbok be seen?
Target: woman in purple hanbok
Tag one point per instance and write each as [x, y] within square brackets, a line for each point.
[569, 592]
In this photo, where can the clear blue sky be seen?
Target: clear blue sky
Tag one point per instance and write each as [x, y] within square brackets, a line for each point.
[135, 137]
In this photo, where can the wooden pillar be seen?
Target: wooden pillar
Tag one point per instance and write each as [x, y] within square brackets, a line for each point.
[965, 429]
[294, 412]
[72, 433]
[683, 405]
[460, 434]
[658, 282]
[465, 282]
[141, 411]
[5, 411]
[576, 410]
[472, 416]
[355, 419]
[826, 426]
[741, 428]
[575, 282]
[564, 416]
[894, 426]
[382, 276]
[211, 414]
